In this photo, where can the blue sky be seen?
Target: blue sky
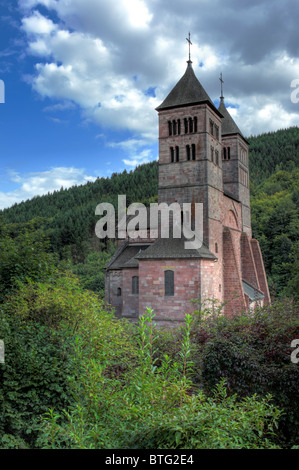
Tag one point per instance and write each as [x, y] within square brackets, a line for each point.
[83, 77]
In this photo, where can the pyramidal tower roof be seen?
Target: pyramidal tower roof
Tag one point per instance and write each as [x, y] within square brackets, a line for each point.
[228, 124]
[188, 91]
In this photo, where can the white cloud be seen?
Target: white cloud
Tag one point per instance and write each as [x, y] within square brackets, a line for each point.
[64, 106]
[138, 13]
[40, 183]
[103, 56]
[138, 159]
[38, 24]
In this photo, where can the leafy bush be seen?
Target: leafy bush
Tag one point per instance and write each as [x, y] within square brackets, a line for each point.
[154, 407]
[216, 422]
[33, 378]
[253, 353]
[41, 326]
[92, 272]
[24, 257]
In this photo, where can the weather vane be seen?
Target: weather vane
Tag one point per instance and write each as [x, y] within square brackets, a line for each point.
[190, 44]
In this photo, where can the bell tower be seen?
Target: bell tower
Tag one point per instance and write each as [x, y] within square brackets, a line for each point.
[235, 163]
[190, 163]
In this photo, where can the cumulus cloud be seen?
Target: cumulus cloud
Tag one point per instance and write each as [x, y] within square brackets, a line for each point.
[40, 183]
[105, 56]
[37, 24]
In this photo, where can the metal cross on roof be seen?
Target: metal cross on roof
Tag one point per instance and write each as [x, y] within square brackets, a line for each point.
[190, 44]
[222, 81]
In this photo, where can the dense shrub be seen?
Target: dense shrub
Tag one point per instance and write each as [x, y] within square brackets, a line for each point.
[24, 256]
[215, 422]
[33, 378]
[154, 407]
[253, 353]
[41, 325]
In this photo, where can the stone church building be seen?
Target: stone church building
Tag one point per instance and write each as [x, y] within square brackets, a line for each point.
[203, 158]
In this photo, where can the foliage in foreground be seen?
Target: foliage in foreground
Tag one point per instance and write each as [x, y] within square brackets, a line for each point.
[41, 324]
[154, 407]
[252, 352]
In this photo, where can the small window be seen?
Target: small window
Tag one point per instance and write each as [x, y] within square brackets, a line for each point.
[212, 154]
[174, 127]
[216, 247]
[190, 125]
[179, 126]
[217, 132]
[177, 153]
[188, 152]
[118, 292]
[169, 282]
[171, 154]
[195, 124]
[224, 153]
[228, 153]
[193, 152]
[211, 127]
[217, 157]
[186, 125]
[135, 285]
[169, 128]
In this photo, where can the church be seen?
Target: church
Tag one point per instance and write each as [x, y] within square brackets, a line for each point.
[203, 158]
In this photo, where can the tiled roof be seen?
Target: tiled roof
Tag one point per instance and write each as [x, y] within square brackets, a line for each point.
[167, 248]
[125, 256]
[187, 91]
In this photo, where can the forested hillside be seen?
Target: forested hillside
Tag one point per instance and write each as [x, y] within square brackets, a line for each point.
[271, 152]
[274, 175]
[67, 217]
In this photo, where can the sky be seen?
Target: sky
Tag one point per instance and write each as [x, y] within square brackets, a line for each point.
[80, 80]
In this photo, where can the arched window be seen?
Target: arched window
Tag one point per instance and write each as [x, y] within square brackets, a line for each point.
[195, 124]
[118, 291]
[169, 282]
[228, 153]
[179, 126]
[171, 154]
[174, 127]
[193, 152]
[135, 285]
[190, 125]
[177, 153]
[188, 152]
[186, 125]
[169, 128]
